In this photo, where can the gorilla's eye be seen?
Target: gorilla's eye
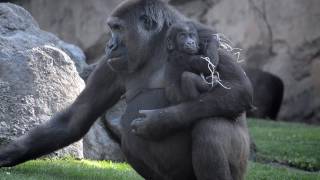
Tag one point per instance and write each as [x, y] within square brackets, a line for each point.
[182, 35]
[193, 35]
[149, 24]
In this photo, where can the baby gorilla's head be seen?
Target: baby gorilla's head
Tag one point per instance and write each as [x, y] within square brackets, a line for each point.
[183, 37]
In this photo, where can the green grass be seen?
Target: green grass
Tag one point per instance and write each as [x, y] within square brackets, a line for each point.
[295, 144]
[69, 170]
[102, 170]
[259, 171]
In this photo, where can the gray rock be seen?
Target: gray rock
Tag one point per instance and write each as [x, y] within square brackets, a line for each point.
[76, 54]
[37, 79]
[79, 22]
[98, 145]
[113, 116]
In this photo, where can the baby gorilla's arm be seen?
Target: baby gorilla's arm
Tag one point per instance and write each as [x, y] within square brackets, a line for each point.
[199, 65]
[192, 85]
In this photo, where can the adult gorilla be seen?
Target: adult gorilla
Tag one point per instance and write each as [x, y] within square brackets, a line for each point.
[136, 58]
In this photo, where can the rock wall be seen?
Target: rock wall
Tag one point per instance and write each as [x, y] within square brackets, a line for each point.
[79, 22]
[37, 78]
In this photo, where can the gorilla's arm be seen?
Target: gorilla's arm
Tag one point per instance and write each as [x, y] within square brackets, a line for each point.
[102, 91]
[219, 102]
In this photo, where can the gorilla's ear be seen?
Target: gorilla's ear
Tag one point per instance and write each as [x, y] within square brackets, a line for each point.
[148, 23]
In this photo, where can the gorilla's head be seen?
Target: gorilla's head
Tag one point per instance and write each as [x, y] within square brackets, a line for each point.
[138, 28]
[183, 37]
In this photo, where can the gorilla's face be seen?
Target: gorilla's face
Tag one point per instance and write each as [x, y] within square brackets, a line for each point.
[117, 51]
[131, 44]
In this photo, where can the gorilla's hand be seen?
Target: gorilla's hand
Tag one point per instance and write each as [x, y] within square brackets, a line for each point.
[151, 125]
[4, 161]
[9, 154]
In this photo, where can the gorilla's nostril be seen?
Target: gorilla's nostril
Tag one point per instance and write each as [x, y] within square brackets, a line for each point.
[112, 46]
[191, 43]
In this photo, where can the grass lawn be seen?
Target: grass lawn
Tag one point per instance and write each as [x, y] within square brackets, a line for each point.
[297, 145]
[69, 170]
[258, 171]
[102, 170]
[294, 144]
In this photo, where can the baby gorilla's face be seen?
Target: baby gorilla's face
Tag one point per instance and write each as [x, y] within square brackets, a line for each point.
[183, 37]
[187, 41]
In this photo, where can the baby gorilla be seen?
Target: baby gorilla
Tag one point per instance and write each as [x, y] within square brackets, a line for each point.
[189, 72]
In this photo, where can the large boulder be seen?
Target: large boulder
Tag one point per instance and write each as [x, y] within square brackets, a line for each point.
[280, 37]
[37, 78]
[98, 144]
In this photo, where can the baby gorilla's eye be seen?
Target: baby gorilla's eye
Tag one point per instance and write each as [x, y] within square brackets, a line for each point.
[116, 27]
[182, 35]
